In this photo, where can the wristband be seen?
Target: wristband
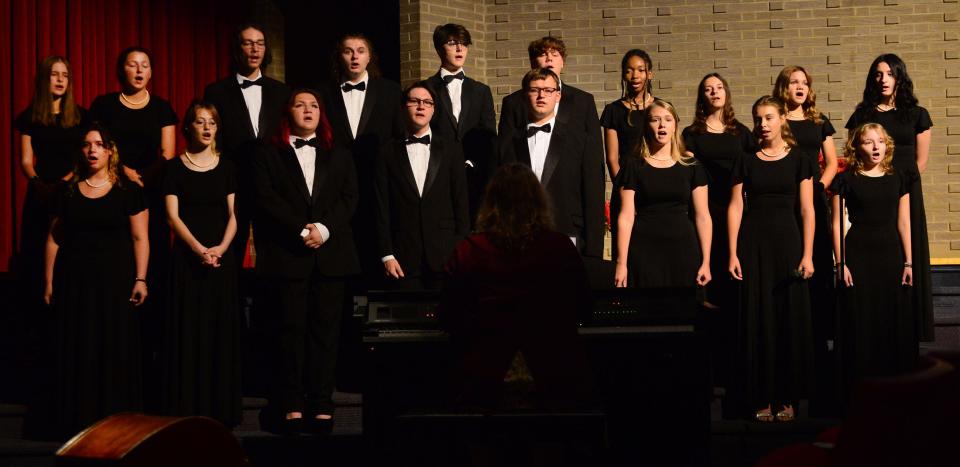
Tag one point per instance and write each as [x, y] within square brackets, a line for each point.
[140, 279]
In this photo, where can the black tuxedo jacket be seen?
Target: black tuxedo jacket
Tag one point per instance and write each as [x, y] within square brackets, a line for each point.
[380, 119]
[578, 112]
[284, 207]
[475, 131]
[574, 181]
[235, 135]
[421, 229]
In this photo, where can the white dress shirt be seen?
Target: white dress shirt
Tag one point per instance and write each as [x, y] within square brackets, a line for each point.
[538, 144]
[253, 97]
[455, 90]
[419, 157]
[353, 102]
[307, 158]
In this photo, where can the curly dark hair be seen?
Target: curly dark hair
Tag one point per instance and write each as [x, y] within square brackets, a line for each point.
[904, 97]
[514, 208]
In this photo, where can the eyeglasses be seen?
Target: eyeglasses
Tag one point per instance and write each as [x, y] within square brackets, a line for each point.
[253, 44]
[454, 43]
[414, 102]
[545, 91]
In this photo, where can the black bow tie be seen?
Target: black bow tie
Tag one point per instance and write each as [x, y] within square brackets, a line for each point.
[532, 130]
[361, 86]
[247, 83]
[300, 142]
[447, 79]
[425, 139]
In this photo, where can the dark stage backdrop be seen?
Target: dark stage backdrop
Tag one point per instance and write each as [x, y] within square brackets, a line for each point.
[189, 41]
[311, 30]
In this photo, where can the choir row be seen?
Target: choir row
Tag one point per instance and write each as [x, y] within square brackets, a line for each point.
[360, 179]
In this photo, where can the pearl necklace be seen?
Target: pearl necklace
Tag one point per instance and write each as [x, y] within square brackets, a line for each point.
[784, 150]
[185, 153]
[87, 181]
[710, 127]
[128, 101]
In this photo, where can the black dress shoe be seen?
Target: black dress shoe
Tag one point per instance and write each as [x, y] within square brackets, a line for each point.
[318, 426]
[291, 426]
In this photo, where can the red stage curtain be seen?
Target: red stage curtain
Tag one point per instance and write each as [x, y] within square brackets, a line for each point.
[188, 39]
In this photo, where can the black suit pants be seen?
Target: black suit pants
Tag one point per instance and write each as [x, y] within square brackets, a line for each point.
[307, 335]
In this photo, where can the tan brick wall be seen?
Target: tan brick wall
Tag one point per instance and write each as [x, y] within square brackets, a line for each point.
[746, 41]
[418, 18]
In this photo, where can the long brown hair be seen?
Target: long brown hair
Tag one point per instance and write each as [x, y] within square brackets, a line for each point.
[704, 109]
[41, 111]
[785, 132]
[514, 208]
[850, 148]
[781, 90]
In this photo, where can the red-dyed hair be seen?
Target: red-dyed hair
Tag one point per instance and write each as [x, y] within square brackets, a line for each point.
[324, 131]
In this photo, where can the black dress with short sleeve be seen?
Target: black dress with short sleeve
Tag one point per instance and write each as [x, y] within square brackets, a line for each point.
[200, 355]
[877, 334]
[775, 332]
[904, 125]
[664, 251]
[717, 152]
[137, 131]
[628, 123]
[98, 333]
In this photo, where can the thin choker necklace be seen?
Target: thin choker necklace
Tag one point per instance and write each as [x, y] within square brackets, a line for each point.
[128, 101]
[87, 181]
[774, 155]
[185, 153]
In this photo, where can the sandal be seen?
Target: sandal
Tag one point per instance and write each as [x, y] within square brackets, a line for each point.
[786, 415]
[763, 415]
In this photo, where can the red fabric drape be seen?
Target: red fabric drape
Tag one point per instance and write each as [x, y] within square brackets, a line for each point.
[189, 41]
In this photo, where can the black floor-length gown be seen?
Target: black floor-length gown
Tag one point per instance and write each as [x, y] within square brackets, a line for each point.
[98, 332]
[664, 251]
[201, 351]
[810, 136]
[904, 125]
[877, 330]
[717, 152]
[775, 331]
[138, 133]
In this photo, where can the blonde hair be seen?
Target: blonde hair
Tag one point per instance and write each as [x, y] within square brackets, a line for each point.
[677, 148]
[785, 132]
[853, 142]
[781, 91]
